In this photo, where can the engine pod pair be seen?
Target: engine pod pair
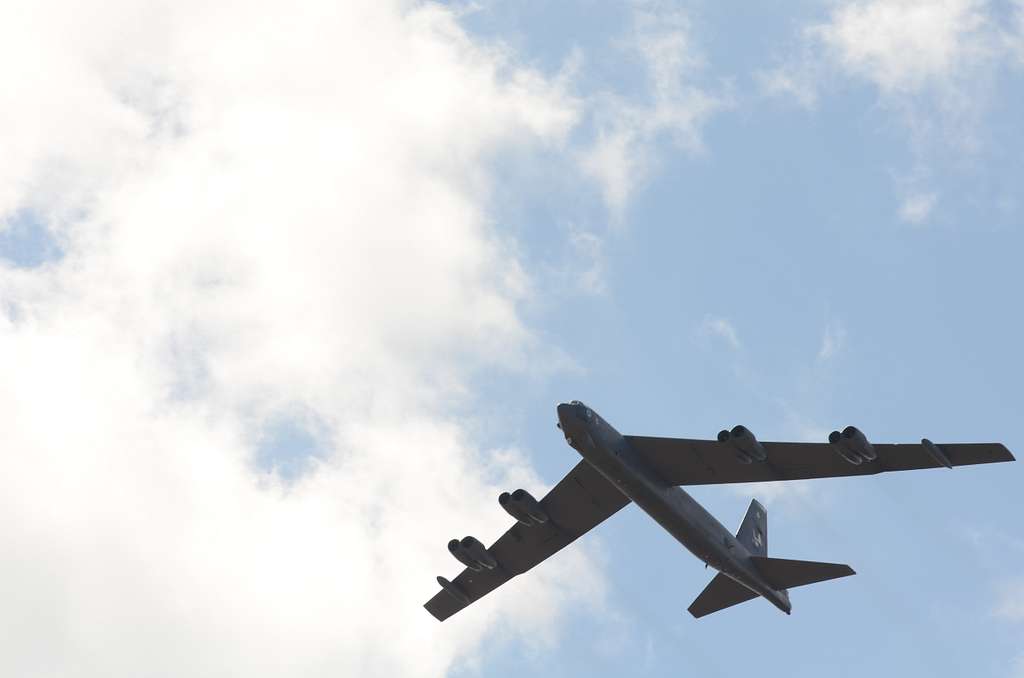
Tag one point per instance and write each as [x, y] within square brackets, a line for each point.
[852, 445]
[747, 448]
[523, 507]
[471, 553]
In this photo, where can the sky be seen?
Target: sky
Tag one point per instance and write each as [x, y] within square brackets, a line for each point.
[289, 294]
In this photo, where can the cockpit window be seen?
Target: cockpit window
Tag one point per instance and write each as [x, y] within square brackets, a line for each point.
[586, 411]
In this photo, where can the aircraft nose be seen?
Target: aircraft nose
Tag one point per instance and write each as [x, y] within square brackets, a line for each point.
[573, 409]
[564, 412]
[568, 415]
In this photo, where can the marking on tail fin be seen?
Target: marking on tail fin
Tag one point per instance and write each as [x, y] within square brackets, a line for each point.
[753, 532]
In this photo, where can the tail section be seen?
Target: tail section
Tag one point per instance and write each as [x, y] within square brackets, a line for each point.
[721, 593]
[753, 533]
[786, 574]
[776, 574]
[780, 573]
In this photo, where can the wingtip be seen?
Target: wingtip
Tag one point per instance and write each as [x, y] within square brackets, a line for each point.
[436, 614]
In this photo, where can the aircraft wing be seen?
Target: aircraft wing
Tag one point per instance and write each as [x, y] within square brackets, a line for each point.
[579, 502]
[681, 461]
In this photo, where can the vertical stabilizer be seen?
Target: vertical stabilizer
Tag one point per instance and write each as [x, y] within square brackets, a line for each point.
[753, 532]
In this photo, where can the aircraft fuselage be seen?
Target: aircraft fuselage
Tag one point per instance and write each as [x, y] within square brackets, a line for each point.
[675, 510]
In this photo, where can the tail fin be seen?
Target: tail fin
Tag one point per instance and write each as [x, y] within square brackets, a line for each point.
[721, 593]
[787, 574]
[753, 532]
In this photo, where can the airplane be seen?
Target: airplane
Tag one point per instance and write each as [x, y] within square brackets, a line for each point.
[617, 469]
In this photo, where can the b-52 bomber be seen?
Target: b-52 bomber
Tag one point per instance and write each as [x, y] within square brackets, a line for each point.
[618, 469]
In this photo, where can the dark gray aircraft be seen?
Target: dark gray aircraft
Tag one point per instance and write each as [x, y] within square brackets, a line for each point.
[617, 469]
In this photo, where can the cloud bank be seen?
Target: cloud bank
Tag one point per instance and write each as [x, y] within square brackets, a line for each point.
[266, 214]
[934, 67]
[629, 135]
[903, 48]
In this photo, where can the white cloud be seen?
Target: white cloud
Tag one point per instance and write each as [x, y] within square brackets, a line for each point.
[1018, 666]
[832, 340]
[917, 208]
[263, 208]
[788, 82]
[586, 268]
[1010, 605]
[720, 329]
[902, 47]
[932, 63]
[629, 134]
[1014, 37]
[907, 45]
[787, 495]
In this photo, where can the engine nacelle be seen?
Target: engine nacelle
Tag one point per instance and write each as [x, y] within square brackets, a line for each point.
[852, 445]
[455, 548]
[748, 449]
[471, 553]
[858, 443]
[478, 552]
[514, 509]
[530, 506]
[835, 439]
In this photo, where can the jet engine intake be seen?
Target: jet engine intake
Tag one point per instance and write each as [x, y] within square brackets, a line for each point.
[746, 446]
[471, 553]
[478, 552]
[858, 442]
[852, 445]
[455, 548]
[530, 506]
[835, 439]
[515, 509]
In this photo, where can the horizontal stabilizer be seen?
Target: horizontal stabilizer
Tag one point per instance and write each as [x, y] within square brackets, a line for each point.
[786, 574]
[721, 593]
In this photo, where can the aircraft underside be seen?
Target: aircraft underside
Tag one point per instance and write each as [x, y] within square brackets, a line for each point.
[617, 470]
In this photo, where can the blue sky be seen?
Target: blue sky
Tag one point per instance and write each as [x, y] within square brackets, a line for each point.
[786, 228]
[289, 295]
